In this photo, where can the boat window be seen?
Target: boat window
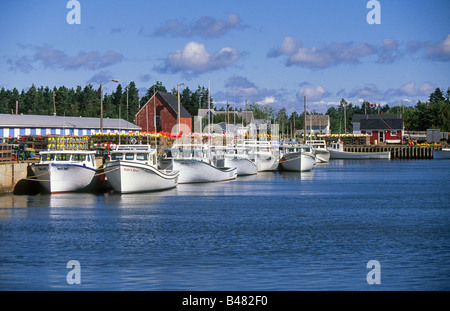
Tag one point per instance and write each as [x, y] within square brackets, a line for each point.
[48, 157]
[129, 156]
[78, 157]
[175, 153]
[62, 157]
[116, 156]
[152, 159]
[141, 156]
[198, 154]
[186, 153]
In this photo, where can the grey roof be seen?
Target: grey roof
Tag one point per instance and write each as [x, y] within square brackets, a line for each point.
[172, 101]
[204, 112]
[358, 117]
[8, 120]
[378, 124]
[317, 120]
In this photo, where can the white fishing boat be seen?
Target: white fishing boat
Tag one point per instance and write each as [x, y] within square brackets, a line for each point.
[337, 152]
[133, 168]
[263, 154]
[65, 170]
[441, 154]
[236, 156]
[320, 149]
[197, 164]
[298, 158]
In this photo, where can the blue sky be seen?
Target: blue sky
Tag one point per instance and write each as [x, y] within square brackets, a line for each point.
[260, 51]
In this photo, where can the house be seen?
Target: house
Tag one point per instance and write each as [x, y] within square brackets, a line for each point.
[382, 128]
[165, 105]
[24, 125]
[318, 124]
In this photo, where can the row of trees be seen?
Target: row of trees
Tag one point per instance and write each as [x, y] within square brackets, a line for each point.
[125, 102]
[434, 113]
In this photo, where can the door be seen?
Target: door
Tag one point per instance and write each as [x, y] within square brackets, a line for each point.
[381, 136]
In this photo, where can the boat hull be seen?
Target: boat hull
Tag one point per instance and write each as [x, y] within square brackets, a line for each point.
[359, 155]
[297, 162]
[266, 162]
[244, 166]
[441, 154]
[322, 155]
[59, 178]
[196, 171]
[130, 177]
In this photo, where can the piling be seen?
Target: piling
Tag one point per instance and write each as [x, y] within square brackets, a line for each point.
[398, 151]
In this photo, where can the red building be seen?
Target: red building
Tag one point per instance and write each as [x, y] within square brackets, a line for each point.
[166, 107]
[382, 128]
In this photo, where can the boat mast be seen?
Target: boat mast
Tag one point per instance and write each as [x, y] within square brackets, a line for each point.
[304, 127]
[154, 117]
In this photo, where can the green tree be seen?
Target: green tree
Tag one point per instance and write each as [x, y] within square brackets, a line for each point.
[131, 95]
[158, 86]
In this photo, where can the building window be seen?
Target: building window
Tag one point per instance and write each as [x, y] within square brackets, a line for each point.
[158, 123]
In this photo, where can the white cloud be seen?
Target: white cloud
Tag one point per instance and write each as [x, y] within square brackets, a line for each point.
[440, 51]
[321, 57]
[195, 58]
[57, 59]
[368, 91]
[410, 89]
[268, 100]
[206, 27]
[312, 93]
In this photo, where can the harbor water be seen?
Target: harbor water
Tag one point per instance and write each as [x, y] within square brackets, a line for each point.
[274, 231]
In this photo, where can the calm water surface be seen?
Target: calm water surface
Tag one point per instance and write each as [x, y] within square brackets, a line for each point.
[270, 231]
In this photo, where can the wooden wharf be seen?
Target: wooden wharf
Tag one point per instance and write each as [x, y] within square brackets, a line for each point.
[397, 151]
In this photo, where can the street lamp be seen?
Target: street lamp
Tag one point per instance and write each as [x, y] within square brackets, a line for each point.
[179, 110]
[101, 102]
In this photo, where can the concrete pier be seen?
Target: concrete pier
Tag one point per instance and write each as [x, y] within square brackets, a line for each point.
[10, 174]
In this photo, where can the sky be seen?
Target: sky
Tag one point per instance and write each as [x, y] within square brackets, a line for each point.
[264, 52]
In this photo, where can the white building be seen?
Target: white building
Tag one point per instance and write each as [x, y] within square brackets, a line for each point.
[318, 124]
[23, 125]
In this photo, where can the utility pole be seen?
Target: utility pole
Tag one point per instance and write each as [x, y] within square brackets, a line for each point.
[54, 104]
[344, 103]
[345, 117]
[228, 116]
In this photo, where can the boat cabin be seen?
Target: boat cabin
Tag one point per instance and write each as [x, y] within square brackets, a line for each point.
[190, 151]
[297, 148]
[338, 146]
[68, 157]
[144, 154]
